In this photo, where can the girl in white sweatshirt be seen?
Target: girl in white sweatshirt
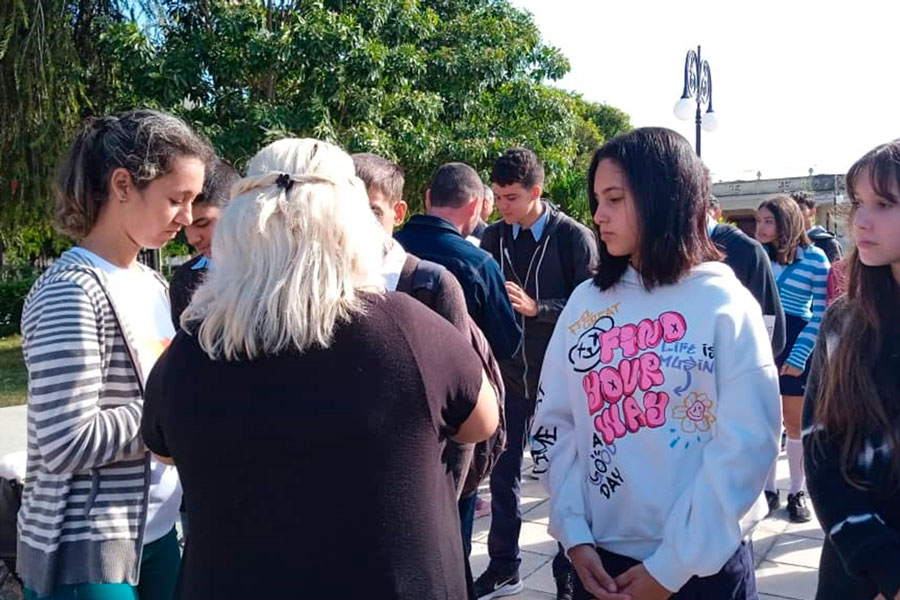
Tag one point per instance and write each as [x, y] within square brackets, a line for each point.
[658, 415]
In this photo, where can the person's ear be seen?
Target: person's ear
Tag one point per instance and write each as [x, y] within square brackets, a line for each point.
[536, 192]
[474, 207]
[400, 208]
[427, 200]
[119, 184]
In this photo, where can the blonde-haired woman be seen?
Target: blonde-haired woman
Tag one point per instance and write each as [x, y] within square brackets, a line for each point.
[307, 410]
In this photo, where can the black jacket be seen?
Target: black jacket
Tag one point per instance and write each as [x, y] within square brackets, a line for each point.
[862, 525]
[181, 289]
[826, 241]
[435, 239]
[750, 263]
[566, 255]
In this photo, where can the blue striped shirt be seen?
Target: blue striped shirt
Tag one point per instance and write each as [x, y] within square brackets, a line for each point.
[802, 287]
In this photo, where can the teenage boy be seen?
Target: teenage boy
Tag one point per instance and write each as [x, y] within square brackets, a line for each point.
[544, 255]
[819, 236]
[205, 213]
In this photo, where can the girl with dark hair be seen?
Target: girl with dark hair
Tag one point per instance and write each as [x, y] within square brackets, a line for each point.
[658, 414]
[801, 274]
[98, 514]
[851, 419]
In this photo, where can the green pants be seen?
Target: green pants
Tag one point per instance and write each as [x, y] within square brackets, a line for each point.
[159, 574]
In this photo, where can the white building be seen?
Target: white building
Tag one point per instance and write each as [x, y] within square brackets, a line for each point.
[739, 199]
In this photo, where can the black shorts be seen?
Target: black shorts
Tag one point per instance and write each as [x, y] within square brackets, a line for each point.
[787, 384]
[736, 580]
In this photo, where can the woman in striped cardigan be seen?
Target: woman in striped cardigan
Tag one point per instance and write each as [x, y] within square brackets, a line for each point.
[801, 272]
[97, 512]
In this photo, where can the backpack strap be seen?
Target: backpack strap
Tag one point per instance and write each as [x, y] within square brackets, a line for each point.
[426, 280]
[421, 279]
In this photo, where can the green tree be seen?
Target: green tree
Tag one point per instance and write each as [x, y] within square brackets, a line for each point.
[52, 75]
[421, 82]
[594, 124]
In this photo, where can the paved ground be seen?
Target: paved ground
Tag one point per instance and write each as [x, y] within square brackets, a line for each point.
[787, 555]
[13, 434]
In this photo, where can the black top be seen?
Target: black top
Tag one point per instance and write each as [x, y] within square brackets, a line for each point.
[438, 240]
[751, 265]
[564, 257]
[320, 475]
[861, 523]
[185, 280]
[826, 241]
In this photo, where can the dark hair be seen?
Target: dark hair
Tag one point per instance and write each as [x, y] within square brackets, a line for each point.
[790, 229]
[220, 178]
[144, 142]
[671, 191]
[380, 174]
[454, 185]
[518, 165]
[804, 199]
[858, 391]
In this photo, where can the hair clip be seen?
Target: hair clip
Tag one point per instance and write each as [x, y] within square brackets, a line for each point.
[284, 181]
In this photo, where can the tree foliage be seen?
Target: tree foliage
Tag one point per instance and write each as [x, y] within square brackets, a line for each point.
[52, 75]
[419, 81]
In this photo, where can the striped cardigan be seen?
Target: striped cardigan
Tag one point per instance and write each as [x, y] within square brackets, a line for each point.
[802, 288]
[84, 505]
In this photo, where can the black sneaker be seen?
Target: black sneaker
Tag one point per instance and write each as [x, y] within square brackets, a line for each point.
[565, 587]
[494, 585]
[797, 509]
[774, 501]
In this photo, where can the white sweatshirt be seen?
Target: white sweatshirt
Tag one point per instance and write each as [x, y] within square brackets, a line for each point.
[657, 421]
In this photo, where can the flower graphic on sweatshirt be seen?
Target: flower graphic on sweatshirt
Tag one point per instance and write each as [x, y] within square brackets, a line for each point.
[695, 413]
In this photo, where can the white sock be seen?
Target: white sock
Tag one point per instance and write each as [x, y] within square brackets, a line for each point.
[771, 486]
[794, 450]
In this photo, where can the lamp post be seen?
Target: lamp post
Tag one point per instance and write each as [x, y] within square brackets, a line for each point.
[697, 90]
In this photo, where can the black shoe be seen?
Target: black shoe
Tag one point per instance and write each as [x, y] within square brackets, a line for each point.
[494, 585]
[774, 501]
[797, 509]
[565, 587]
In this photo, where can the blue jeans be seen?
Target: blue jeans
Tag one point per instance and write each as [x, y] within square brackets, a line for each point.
[736, 580]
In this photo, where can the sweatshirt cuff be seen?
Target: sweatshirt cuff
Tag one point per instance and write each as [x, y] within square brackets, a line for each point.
[575, 531]
[667, 569]
[798, 362]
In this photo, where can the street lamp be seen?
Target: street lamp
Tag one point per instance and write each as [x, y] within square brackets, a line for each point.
[697, 91]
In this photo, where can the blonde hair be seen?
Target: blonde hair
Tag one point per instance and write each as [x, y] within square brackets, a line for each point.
[293, 250]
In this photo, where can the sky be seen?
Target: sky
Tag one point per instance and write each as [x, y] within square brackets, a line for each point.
[796, 84]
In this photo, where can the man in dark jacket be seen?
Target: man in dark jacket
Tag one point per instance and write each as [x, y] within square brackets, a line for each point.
[205, 213]
[544, 255]
[819, 236]
[748, 259]
[453, 202]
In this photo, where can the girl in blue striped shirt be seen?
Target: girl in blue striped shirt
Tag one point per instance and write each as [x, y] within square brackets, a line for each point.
[801, 271]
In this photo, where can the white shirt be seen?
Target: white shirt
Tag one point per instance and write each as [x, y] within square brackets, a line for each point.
[143, 305]
[392, 265]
